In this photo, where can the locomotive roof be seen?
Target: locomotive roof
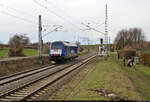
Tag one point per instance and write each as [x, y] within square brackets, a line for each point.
[66, 43]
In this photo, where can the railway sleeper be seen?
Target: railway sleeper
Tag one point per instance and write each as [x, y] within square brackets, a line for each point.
[13, 97]
[33, 97]
[17, 95]
[30, 89]
[37, 95]
[24, 91]
[20, 93]
[4, 99]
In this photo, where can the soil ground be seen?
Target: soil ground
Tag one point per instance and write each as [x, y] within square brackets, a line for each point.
[127, 82]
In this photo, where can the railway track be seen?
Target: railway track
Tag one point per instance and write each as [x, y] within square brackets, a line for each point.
[17, 76]
[27, 86]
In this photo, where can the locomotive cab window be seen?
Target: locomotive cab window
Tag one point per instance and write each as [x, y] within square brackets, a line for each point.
[56, 46]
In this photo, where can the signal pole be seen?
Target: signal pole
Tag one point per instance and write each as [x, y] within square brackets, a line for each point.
[40, 39]
[109, 43]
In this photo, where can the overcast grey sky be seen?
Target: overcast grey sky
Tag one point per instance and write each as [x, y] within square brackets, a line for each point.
[21, 16]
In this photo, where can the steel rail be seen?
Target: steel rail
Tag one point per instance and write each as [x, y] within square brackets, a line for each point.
[30, 83]
[20, 75]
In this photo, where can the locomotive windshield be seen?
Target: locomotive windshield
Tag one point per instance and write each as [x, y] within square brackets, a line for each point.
[57, 45]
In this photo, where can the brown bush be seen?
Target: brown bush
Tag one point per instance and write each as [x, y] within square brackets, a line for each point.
[81, 49]
[16, 46]
[46, 48]
[127, 53]
[145, 59]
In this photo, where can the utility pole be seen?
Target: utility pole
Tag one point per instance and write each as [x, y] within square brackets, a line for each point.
[40, 38]
[106, 31]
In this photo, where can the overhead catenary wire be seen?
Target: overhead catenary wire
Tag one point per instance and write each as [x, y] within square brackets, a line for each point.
[100, 25]
[26, 20]
[21, 12]
[60, 9]
[59, 16]
[51, 31]
[93, 28]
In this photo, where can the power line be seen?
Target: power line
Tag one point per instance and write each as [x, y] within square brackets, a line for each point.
[90, 28]
[21, 12]
[55, 14]
[51, 3]
[100, 25]
[26, 20]
[51, 31]
[93, 28]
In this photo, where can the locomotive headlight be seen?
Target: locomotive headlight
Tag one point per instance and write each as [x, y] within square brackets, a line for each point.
[56, 51]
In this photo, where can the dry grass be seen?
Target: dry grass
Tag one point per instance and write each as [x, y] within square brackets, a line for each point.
[127, 53]
[106, 75]
[145, 59]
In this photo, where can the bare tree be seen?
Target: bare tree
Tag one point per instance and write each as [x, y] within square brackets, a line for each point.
[132, 37]
[121, 39]
[25, 40]
[17, 43]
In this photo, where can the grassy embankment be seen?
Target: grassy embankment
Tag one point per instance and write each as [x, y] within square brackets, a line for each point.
[27, 52]
[30, 52]
[110, 75]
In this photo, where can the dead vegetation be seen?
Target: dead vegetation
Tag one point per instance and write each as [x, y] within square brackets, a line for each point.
[17, 43]
[108, 94]
[127, 53]
[15, 65]
[46, 47]
[131, 37]
[145, 59]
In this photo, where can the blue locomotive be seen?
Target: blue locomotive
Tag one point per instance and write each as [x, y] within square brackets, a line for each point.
[61, 51]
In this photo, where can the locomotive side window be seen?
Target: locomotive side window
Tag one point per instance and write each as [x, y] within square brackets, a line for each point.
[65, 50]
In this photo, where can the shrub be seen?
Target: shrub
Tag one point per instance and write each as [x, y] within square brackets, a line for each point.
[145, 59]
[127, 53]
[80, 48]
[16, 47]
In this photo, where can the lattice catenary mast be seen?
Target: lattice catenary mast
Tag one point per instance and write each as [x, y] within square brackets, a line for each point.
[106, 30]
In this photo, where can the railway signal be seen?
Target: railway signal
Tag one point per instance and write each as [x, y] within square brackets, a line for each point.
[101, 41]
